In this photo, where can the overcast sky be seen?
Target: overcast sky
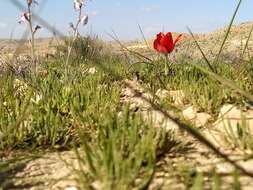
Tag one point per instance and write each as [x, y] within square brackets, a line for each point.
[123, 16]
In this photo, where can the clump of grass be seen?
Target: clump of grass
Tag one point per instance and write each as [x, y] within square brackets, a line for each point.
[122, 149]
[239, 136]
[123, 156]
[47, 111]
[188, 177]
[84, 50]
[201, 90]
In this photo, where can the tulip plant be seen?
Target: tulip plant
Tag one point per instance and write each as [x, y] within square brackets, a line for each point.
[26, 17]
[165, 45]
[83, 20]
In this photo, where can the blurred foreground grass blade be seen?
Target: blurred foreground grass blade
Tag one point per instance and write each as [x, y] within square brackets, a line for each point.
[216, 181]
[143, 37]
[225, 82]
[41, 21]
[227, 32]
[247, 42]
[236, 183]
[242, 70]
[202, 52]
[198, 182]
[127, 49]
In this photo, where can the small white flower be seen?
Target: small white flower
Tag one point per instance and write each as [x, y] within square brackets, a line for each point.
[92, 70]
[78, 4]
[24, 17]
[37, 99]
[84, 19]
[5, 104]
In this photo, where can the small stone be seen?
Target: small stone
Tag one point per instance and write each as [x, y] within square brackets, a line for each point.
[162, 93]
[202, 119]
[229, 122]
[231, 117]
[147, 97]
[159, 120]
[229, 110]
[198, 119]
[248, 165]
[224, 168]
[96, 185]
[156, 184]
[178, 97]
[190, 113]
[127, 92]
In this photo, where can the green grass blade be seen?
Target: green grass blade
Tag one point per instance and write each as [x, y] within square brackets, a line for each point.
[227, 32]
[247, 42]
[137, 54]
[198, 182]
[216, 181]
[225, 82]
[143, 37]
[202, 52]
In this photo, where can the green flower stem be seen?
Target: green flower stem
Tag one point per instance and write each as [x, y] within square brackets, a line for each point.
[71, 43]
[32, 39]
[166, 65]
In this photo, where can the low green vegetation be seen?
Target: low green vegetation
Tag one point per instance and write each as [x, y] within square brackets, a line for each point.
[82, 111]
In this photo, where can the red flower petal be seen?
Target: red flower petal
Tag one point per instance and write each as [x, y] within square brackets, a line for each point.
[168, 42]
[157, 41]
[160, 36]
[159, 47]
[164, 43]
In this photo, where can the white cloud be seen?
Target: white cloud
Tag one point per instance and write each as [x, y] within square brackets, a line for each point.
[3, 24]
[150, 9]
[94, 13]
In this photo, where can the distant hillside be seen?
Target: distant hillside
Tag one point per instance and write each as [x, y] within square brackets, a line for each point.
[211, 42]
[43, 45]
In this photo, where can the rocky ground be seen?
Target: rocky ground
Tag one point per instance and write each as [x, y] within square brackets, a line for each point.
[55, 170]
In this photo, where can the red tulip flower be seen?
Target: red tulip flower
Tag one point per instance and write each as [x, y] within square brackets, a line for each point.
[164, 43]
